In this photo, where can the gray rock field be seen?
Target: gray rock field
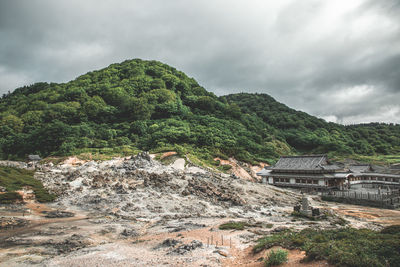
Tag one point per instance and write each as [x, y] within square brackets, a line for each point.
[138, 212]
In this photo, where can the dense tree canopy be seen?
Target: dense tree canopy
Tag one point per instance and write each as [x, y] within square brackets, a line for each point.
[149, 105]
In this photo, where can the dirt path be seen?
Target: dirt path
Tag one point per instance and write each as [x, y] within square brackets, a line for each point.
[36, 209]
[35, 224]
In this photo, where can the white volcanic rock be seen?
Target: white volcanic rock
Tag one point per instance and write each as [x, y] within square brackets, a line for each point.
[144, 188]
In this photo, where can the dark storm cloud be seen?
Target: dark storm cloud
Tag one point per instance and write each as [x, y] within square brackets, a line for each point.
[339, 59]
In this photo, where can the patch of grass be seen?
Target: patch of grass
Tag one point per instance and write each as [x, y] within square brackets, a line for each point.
[169, 159]
[276, 257]
[54, 160]
[221, 156]
[224, 168]
[14, 179]
[106, 153]
[392, 229]
[233, 226]
[340, 221]
[10, 197]
[302, 215]
[341, 247]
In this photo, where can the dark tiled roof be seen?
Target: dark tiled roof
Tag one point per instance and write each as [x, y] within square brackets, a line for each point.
[374, 174]
[264, 172]
[307, 163]
[330, 167]
[34, 157]
[360, 168]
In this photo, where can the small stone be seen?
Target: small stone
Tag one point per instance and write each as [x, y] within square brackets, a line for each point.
[58, 214]
[316, 212]
[222, 253]
[129, 233]
[280, 229]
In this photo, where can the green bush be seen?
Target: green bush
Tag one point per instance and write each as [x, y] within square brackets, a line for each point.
[10, 197]
[14, 179]
[392, 229]
[233, 226]
[341, 247]
[280, 239]
[224, 168]
[276, 257]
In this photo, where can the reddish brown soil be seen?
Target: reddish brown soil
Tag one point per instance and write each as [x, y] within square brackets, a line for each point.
[381, 216]
[167, 154]
[240, 171]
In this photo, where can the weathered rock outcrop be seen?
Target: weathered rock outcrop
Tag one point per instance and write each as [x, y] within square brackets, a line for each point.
[139, 187]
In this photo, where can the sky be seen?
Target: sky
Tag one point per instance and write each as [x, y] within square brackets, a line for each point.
[338, 60]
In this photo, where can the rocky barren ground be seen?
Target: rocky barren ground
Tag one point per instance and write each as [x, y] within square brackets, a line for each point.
[138, 212]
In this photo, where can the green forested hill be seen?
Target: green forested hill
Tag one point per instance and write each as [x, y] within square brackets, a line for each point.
[148, 105]
[307, 133]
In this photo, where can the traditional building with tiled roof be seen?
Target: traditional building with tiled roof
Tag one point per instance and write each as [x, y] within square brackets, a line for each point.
[312, 171]
[315, 171]
[366, 174]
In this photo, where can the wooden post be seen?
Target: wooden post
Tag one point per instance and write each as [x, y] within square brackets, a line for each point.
[230, 242]
[211, 240]
[216, 243]
[208, 241]
[222, 240]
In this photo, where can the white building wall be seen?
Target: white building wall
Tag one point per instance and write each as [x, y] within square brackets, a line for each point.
[321, 182]
[292, 180]
[271, 180]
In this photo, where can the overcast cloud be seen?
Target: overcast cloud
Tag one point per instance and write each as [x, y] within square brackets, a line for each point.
[339, 60]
